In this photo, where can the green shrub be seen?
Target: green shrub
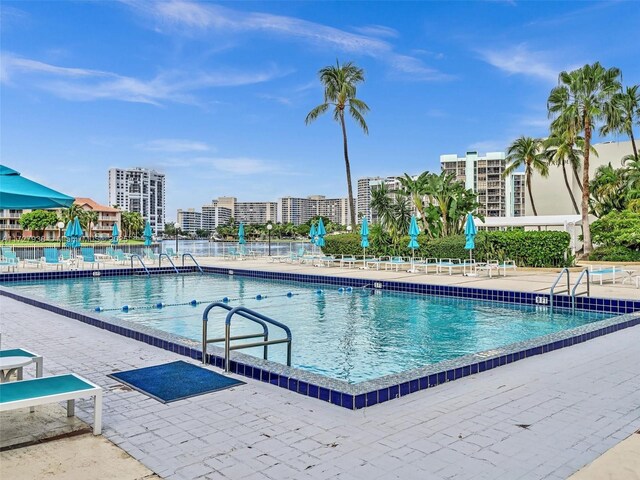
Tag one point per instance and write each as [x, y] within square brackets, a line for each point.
[617, 253]
[617, 229]
[526, 248]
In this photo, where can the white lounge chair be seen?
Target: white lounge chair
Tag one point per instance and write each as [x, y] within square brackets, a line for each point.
[59, 388]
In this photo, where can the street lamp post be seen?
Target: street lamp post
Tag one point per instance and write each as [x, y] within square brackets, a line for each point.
[60, 226]
[349, 227]
[269, 227]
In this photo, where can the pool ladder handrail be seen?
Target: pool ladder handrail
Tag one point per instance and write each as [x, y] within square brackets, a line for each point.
[249, 314]
[135, 255]
[194, 261]
[160, 255]
[552, 292]
[577, 284]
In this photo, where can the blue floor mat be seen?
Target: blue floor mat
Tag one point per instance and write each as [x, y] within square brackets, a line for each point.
[174, 381]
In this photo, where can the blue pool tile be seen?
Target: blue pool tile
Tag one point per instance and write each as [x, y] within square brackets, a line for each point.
[324, 394]
[314, 390]
[451, 375]
[433, 380]
[404, 389]
[394, 391]
[423, 383]
[383, 395]
[303, 387]
[293, 384]
[442, 377]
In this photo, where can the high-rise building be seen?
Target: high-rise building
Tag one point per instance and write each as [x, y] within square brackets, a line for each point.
[139, 190]
[365, 187]
[189, 220]
[214, 215]
[248, 212]
[484, 175]
[301, 210]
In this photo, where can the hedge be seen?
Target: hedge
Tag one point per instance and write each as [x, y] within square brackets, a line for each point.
[615, 254]
[526, 248]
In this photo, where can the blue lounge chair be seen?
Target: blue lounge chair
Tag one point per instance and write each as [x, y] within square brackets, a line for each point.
[171, 253]
[9, 259]
[148, 253]
[65, 255]
[118, 256]
[52, 257]
[88, 256]
[41, 391]
[602, 271]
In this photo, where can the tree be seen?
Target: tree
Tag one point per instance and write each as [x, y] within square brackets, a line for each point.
[621, 113]
[581, 100]
[340, 83]
[561, 150]
[608, 190]
[75, 210]
[38, 220]
[530, 153]
[132, 224]
[91, 219]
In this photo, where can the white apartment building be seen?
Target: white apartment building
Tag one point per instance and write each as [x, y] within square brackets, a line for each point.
[365, 186]
[249, 212]
[301, 210]
[139, 190]
[189, 220]
[214, 215]
[483, 174]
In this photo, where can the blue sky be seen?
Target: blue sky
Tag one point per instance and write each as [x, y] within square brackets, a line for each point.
[215, 94]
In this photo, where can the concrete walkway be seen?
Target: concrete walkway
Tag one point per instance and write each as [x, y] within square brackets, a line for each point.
[541, 418]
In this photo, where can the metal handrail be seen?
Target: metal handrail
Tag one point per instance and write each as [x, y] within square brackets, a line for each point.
[194, 261]
[575, 287]
[205, 319]
[160, 255]
[552, 292]
[135, 255]
[258, 316]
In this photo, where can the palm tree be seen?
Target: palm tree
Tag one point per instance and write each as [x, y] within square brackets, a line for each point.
[340, 83]
[382, 204]
[608, 190]
[416, 189]
[75, 210]
[91, 219]
[561, 150]
[621, 113]
[530, 153]
[580, 100]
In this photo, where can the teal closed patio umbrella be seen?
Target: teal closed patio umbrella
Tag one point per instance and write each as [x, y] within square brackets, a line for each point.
[414, 231]
[76, 233]
[241, 239]
[147, 234]
[364, 239]
[470, 231]
[114, 234]
[68, 233]
[320, 232]
[19, 193]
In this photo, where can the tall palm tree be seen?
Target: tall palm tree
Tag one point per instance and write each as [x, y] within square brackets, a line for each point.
[561, 151]
[340, 83]
[621, 113]
[75, 210]
[581, 100]
[382, 204]
[416, 189]
[530, 153]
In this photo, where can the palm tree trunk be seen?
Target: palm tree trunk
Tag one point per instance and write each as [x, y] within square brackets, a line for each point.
[352, 210]
[577, 177]
[586, 230]
[533, 205]
[633, 143]
[566, 182]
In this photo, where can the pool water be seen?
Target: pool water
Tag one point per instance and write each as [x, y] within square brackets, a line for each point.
[351, 335]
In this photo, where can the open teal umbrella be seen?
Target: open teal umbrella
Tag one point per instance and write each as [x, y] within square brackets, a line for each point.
[115, 234]
[147, 234]
[241, 239]
[414, 231]
[364, 240]
[18, 193]
[470, 230]
[320, 232]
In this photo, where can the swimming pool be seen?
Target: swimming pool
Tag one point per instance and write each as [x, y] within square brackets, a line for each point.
[345, 333]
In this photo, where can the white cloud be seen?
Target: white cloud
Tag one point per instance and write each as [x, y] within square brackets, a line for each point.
[174, 145]
[377, 31]
[495, 145]
[82, 84]
[213, 167]
[187, 17]
[521, 60]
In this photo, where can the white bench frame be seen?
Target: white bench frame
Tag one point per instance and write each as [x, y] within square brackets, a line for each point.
[70, 397]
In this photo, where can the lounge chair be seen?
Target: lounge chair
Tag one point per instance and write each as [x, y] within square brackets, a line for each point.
[88, 256]
[377, 262]
[349, 261]
[148, 253]
[396, 262]
[449, 264]
[602, 271]
[21, 352]
[9, 259]
[41, 391]
[52, 257]
[489, 266]
[65, 255]
[169, 251]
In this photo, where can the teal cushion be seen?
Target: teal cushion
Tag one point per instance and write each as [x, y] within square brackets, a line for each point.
[16, 352]
[41, 387]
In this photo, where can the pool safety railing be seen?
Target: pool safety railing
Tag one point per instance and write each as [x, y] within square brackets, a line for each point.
[553, 291]
[251, 315]
[584, 273]
[160, 255]
[135, 255]
[194, 261]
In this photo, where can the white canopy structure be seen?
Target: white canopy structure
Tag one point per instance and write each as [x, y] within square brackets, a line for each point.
[568, 223]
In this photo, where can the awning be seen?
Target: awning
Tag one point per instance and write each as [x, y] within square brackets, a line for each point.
[19, 193]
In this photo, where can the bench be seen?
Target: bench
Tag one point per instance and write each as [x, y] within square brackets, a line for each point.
[41, 391]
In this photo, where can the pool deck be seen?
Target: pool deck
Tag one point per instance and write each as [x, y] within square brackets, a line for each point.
[541, 418]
